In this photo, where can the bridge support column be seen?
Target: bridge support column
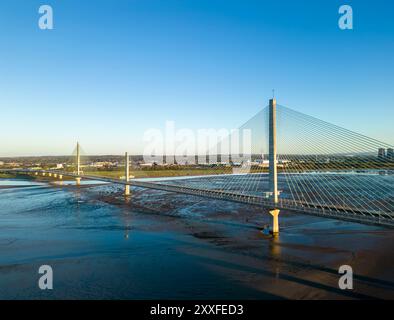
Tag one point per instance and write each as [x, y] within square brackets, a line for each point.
[60, 176]
[49, 174]
[55, 175]
[273, 173]
[127, 175]
[78, 159]
[78, 179]
[275, 221]
[43, 174]
[36, 173]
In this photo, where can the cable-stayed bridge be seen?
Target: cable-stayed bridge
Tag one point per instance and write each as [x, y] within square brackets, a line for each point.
[296, 162]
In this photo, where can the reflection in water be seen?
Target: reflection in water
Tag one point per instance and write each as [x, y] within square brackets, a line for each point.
[82, 182]
[79, 202]
[126, 221]
[275, 252]
[19, 183]
[127, 199]
[274, 246]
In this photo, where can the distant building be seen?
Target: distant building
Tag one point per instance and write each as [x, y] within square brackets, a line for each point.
[264, 163]
[381, 153]
[13, 164]
[104, 164]
[390, 154]
[146, 165]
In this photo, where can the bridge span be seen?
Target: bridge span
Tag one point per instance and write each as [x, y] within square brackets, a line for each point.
[335, 212]
[315, 159]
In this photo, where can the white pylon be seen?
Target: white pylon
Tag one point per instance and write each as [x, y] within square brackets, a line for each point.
[127, 174]
[78, 179]
[273, 173]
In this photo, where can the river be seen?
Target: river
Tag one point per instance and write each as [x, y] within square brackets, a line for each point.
[161, 245]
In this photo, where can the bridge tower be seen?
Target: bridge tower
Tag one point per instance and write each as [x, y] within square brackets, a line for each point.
[127, 174]
[78, 179]
[273, 173]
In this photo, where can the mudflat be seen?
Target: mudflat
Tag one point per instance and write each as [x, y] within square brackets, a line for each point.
[156, 244]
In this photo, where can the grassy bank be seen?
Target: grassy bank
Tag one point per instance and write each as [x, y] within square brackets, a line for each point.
[168, 172]
[157, 173]
[6, 176]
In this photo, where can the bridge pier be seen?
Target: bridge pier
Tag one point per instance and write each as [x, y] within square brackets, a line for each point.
[43, 174]
[60, 176]
[55, 175]
[127, 190]
[78, 181]
[49, 174]
[36, 173]
[275, 221]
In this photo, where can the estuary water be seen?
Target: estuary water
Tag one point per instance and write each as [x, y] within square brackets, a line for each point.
[96, 249]
[155, 245]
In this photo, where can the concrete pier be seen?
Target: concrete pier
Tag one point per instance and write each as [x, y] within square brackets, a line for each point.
[275, 221]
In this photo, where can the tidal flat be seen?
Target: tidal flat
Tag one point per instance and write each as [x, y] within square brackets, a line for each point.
[160, 245]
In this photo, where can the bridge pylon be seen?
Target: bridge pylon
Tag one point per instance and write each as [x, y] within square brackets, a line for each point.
[78, 179]
[273, 173]
[127, 174]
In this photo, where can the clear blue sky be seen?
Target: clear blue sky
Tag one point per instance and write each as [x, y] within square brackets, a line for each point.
[112, 69]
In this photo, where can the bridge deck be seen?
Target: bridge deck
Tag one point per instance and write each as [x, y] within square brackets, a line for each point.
[337, 212]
